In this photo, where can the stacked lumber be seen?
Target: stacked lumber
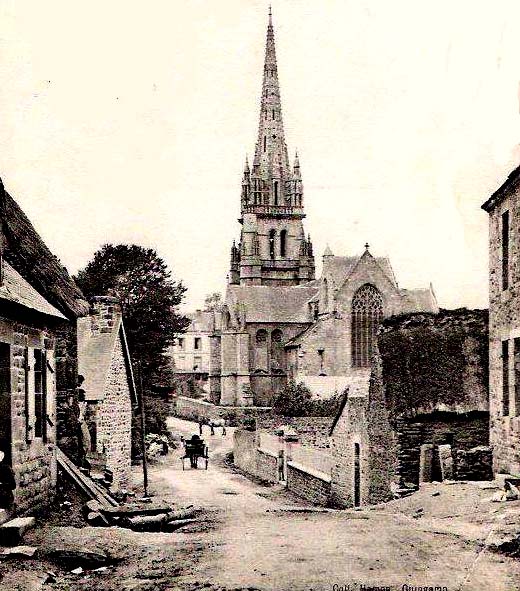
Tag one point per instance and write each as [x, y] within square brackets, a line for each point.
[83, 482]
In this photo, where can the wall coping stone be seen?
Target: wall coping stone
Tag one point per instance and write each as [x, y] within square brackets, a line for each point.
[267, 452]
[311, 471]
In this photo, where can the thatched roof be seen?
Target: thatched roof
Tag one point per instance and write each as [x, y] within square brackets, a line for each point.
[26, 252]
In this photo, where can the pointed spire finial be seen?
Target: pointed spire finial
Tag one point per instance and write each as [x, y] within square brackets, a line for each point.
[328, 252]
[367, 245]
[246, 166]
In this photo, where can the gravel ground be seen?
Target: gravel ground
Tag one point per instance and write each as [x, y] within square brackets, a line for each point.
[246, 539]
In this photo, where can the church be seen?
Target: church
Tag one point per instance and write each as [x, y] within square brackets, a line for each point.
[279, 322]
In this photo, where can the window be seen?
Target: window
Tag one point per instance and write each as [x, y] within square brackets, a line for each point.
[516, 403]
[260, 352]
[197, 363]
[367, 313]
[40, 392]
[272, 236]
[505, 378]
[273, 114]
[321, 356]
[505, 250]
[197, 343]
[180, 342]
[283, 243]
[5, 368]
[265, 143]
[276, 192]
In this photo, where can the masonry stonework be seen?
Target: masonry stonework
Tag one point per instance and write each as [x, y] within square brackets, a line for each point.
[115, 419]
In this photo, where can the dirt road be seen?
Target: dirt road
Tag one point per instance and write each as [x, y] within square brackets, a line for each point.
[250, 541]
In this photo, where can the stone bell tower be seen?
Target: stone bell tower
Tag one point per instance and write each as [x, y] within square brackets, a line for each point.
[273, 249]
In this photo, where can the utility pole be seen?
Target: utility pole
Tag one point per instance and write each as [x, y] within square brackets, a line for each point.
[143, 431]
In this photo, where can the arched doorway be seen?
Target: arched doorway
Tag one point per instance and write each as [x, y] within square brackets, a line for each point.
[367, 313]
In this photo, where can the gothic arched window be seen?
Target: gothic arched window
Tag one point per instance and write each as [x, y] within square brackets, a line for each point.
[276, 192]
[272, 235]
[283, 243]
[277, 351]
[367, 313]
[261, 350]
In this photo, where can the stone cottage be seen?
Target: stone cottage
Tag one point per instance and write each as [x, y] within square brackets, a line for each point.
[425, 416]
[110, 393]
[39, 305]
[503, 208]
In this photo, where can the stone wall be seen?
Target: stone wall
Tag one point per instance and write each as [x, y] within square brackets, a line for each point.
[312, 431]
[350, 430]
[245, 450]
[302, 480]
[32, 457]
[266, 466]
[462, 432]
[114, 420]
[192, 409]
[504, 326]
[309, 486]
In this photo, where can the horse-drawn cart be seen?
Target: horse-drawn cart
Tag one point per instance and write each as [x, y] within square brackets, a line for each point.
[195, 449]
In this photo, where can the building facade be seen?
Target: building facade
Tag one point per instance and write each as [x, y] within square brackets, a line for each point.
[39, 308]
[503, 208]
[110, 394]
[279, 321]
[191, 352]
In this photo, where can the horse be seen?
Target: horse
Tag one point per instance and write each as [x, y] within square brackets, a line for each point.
[216, 423]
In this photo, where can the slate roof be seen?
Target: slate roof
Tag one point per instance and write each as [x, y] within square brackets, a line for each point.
[16, 289]
[28, 254]
[419, 300]
[264, 303]
[339, 268]
[95, 353]
[510, 183]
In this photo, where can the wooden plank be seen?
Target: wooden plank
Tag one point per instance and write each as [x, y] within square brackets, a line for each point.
[86, 484]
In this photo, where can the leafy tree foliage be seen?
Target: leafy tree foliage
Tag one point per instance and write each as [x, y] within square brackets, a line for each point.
[295, 400]
[213, 301]
[149, 297]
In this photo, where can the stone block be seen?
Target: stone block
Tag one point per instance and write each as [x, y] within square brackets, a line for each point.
[446, 462]
[12, 531]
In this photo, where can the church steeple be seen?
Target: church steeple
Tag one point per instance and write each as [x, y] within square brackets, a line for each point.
[273, 249]
[271, 151]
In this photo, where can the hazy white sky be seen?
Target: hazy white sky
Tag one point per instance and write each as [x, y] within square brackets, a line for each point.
[129, 121]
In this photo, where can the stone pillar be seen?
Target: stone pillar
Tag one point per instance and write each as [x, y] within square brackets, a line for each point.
[446, 461]
[426, 463]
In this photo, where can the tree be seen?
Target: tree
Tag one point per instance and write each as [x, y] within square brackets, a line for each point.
[293, 401]
[149, 297]
[213, 301]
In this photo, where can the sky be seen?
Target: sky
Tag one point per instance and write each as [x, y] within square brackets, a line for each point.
[129, 121]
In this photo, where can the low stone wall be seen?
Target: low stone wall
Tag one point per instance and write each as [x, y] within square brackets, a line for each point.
[304, 481]
[312, 431]
[245, 450]
[192, 409]
[474, 464]
[312, 487]
[266, 466]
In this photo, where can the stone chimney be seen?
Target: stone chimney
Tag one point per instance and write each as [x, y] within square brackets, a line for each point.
[104, 314]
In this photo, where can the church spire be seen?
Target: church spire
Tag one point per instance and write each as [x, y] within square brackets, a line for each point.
[271, 151]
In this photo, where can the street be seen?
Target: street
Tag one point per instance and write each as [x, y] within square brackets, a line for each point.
[251, 537]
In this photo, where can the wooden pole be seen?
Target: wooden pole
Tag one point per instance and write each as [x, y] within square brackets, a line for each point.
[143, 431]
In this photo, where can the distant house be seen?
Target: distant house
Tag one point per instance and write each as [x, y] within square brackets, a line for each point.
[104, 361]
[503, 208]
[39, 306]
[190, 353]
